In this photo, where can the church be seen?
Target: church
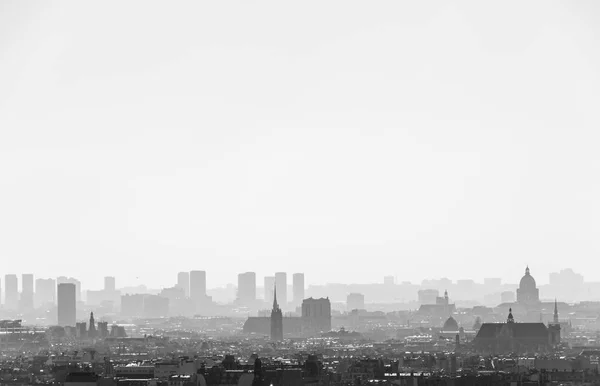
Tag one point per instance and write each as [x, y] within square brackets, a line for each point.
[513, 337]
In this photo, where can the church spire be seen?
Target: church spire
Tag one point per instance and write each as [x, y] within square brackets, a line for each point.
[275, 305]
[555, 311]
[510, 319]
[527, 270]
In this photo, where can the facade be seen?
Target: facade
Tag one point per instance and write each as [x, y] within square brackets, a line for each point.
[246, 291]
[66, 304]
[198, 285]
[276, 320]
[316, 314]
[512, 337]
[26, 298]
[11, 292]
[298, 288]
[355, 301]
[281, 284]
[64, 279]
[183, 282]
[528, 294]
[110, 284]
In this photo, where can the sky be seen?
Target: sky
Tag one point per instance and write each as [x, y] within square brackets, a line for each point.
[347, 140]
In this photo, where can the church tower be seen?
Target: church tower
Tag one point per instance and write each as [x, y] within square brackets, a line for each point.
[276, 320]
[554, 327]
[92, 330]
[556, 312]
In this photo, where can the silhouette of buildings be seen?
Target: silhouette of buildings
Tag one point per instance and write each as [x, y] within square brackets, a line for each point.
[276, 320]
[355, 301]
[281, 284]
[183, 282]
[77, 283]
[66, 304]
[269, 285]
[92, 333]
[45, 292]
[512, 337]
[528, 293]
[297, 288]
[26, 298]
[110, 284]
[11, 291]
[246, 291]
[198, 285]
[316, 314]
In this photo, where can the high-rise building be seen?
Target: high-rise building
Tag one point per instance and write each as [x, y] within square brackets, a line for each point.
[281, 284]
[316, 314]
[298, 288]
[269, 285]
[388, 280]
[246, 291]
[45, 292]
[26, 300]
[110, 284]
[198, 285]
[355, 301]
[276, 319]
[67, 304]
[64, 279]
[183, 282]
[11, 291]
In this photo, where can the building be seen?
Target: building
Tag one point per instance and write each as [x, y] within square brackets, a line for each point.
[427, 296]
[441, 308]
[26, 299]
[45, 292]
[316, 314]
[528, 294]
[198, 285]
[281, 284]
[246, 291]
[388, 280]
[298, 288]
[110, 284]
[507, 297]
[355, 301]
[183, 282]
[132, 305]
[511, 337]
[66, 304]
[269, 285]
[276, 320]
[64, 279]
[11, 292]
[155, 306]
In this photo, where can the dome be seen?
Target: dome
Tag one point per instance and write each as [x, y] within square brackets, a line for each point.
[450, 325]
[527, 281]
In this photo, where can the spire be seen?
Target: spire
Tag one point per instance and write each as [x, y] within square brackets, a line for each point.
[510, 319]
[275, 305]
[555, 311]
[527, 270]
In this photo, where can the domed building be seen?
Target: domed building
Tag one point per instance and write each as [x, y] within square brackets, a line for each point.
[528, 293]
[450, 325]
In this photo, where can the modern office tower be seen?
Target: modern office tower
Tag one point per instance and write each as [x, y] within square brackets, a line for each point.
[183, 282]
[281, 284]
[67, 304]
[246, 291]
[198, 285]
[355, 301]
[64, 279]
[269, 286]
[110, 284]
[26, 299]
[298, 288]
[11, 292]
[45, 292]
[388, 280]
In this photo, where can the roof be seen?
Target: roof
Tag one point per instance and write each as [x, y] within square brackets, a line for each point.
[519, 330]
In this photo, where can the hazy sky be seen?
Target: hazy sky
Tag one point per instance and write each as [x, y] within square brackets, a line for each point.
[347, 140]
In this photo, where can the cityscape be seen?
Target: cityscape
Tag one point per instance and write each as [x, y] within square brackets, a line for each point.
[286, 333]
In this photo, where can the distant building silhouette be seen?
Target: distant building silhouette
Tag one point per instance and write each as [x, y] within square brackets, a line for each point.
[92, 333]
[298, 288]
[66, 304]
[11, 291]
[528, 293]
[276, 319]
[198, 285]
[355, 301]
[269, 285]
[26, 298]
[246, 291]
[45, 292]
[183, 282]
[281, 284]
[110, 284]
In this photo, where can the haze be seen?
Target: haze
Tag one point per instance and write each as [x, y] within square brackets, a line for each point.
[343, 139]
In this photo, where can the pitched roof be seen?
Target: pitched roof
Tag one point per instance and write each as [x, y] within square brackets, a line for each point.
[519, 330]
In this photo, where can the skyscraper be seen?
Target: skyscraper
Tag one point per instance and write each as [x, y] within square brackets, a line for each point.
[26, 301]
[110, 284]
[281, 284]
[269, 285]
[198, 285]
[246, 292]
[183, 282]
[298, 288]
[276, 319]
[11, 291]
[64, 279]
[67, 304]
[45, 292]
